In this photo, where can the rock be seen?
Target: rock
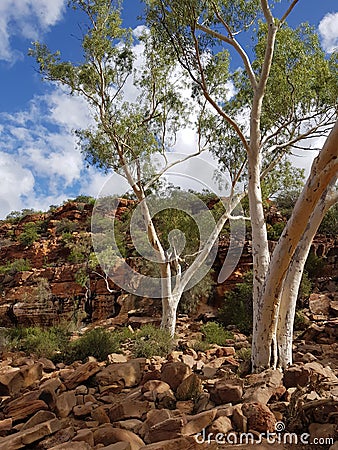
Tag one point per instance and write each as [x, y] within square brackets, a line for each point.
[264, 386]
[322, 430]
[309, 372]
[117, 358]
[39, 417]
[100, 415]
[319, 304]
[154, 416]
[11, 380]
[152, 385]
[183, 443]
[168, 429]
[334, 308]
[24, 407]
[334, 446]
[189, 360]
[260, 417]
[31, 373]
[72, 446]
[166, 400]
[185, 407]
[227, 391]
[6, 425]
[85, 436]
[239, 419]
[174, 373]
[311, 333]
[109, 435]
[65, 403]
[127, 374]
[47, 365]
[118, 446]
[129, 409]
[190, 388]
[220, 425]
[198, 422]
[30, 435]
[133, 425]
[81, 411]
[81, 374]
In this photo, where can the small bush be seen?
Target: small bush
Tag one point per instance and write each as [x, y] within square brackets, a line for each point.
[237, 308]
[215, 334]
[97, 342]
[201, 346]
[18, 265]
[29, 234]
[151, 341]
[301, 321]
[42, 343]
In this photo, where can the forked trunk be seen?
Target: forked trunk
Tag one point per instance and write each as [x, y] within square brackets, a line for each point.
[293, 278]
[324, 169]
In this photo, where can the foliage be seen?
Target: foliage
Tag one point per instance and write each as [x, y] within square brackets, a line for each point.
[301, 321]
[18, 265]
[98, 343]
[305, 287]
[329, 225]
[314, 265]
[80, 248]
[29, 234]
[65, 226]
[152, 341]
[40, 342]
[88, 199]
[214, 333]
[237, 308]
[16, 216]
[275, 231]
[42, 292]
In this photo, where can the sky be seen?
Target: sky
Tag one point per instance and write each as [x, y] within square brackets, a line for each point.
[40, 163]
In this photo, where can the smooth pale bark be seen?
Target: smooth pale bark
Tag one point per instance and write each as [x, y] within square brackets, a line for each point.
[288, 300]
[324, 168]
[171, 295]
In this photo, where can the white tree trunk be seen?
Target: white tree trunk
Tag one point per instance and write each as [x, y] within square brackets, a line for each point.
[293, 278]
[324, 168]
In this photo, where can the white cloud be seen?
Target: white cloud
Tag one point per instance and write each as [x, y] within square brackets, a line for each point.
[328, 29]
[26, 18]
[16, 182]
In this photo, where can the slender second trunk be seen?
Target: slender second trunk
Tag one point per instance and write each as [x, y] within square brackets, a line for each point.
[293, 278]
[323, 169]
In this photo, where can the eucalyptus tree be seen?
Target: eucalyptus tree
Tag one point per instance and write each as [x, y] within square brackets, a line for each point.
[127, 131]
[286, 94]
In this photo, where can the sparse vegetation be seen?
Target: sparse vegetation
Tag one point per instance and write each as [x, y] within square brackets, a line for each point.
[237, 308]
[18, 265]
[215, 334]
[150, 341]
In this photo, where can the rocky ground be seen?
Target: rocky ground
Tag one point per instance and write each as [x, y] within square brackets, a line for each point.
[171, 403]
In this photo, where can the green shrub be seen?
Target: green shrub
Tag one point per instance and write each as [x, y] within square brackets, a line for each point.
[98, 343]
[151, 341]
[43, 343]
[275, 231]
[215, 334]
[314, 265]
[29, 234]
[201, 346]
[18, 265]
[301, 321]
[237, 308]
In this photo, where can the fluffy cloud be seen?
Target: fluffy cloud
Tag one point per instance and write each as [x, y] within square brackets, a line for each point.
[26, 18]
[328, 29]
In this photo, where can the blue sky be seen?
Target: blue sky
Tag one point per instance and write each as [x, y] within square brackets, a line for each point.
[39, 162]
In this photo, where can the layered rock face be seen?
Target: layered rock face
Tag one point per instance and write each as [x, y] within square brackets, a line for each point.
[62, 294]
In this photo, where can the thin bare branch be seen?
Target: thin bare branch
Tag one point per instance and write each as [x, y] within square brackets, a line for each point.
[288, 11]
